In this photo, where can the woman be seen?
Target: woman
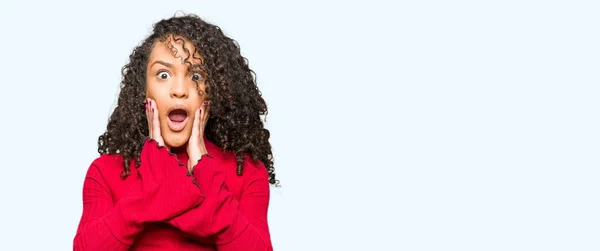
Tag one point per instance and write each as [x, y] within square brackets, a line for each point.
[185, 161]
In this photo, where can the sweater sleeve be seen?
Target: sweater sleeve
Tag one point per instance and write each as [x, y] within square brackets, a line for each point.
[233, 224]
[162, 191]
[93, 233]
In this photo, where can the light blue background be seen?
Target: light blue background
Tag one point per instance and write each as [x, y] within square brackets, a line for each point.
[415, 125]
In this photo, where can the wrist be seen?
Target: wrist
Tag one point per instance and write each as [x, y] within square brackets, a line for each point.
[199, 152]
[195, 158]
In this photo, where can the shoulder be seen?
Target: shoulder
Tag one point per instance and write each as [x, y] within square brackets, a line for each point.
[228, 161]
[106, 165]
[255, 167]
[253, 171]
[104, 176]
[105, 171]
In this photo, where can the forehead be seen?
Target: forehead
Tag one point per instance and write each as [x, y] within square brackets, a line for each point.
[175, 49]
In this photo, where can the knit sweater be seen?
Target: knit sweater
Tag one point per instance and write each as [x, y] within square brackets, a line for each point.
[162, 206]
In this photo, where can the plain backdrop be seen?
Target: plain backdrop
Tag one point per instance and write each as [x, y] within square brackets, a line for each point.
[400, 125]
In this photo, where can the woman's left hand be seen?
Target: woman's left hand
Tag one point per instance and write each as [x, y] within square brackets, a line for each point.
[196, 147]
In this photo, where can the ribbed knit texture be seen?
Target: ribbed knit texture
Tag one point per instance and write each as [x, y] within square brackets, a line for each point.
[162, 207]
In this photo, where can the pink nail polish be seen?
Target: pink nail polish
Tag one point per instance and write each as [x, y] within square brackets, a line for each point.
[152, 109]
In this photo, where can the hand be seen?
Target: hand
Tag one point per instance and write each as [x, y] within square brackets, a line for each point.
[153, 122]
[196, 147]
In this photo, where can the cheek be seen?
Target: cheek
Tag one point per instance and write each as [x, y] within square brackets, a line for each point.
[151, 89]
[157, 92]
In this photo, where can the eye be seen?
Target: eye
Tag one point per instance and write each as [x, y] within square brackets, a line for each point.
[196, 76]
[163, 75]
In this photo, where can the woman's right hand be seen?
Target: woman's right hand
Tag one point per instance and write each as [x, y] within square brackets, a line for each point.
[153, 122]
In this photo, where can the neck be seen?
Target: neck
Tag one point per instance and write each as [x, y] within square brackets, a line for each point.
[178, 150]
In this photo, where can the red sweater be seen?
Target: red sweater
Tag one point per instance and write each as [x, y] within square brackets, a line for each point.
[161, 206]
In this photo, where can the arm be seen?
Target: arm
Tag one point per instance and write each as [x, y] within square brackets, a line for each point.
[162, 191]
[99, 212]
[234, 225]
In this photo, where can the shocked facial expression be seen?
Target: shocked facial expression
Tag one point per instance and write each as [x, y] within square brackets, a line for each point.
[175, 81]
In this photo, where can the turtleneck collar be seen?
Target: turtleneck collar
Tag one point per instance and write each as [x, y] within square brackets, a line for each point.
[181, 152]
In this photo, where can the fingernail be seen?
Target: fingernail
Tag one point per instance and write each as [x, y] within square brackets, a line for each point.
[150, 102]
[152, 109]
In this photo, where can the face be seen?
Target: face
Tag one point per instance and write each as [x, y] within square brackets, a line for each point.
[177, 90]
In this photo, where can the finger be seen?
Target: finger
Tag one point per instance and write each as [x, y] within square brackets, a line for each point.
[148, 117]
[151, 118]
[155, 121]
[198, 117]
[201, 116]
[206, 110]
[203, 110]
[196, 124]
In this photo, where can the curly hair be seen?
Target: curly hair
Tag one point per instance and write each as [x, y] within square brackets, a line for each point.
[235, 123]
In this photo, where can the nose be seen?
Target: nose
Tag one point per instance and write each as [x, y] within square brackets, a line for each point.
[178, 89]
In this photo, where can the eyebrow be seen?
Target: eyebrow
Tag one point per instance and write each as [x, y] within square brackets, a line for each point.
[169, 65]
[163, 63]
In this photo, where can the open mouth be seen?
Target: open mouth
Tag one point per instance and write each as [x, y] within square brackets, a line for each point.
[178, 116]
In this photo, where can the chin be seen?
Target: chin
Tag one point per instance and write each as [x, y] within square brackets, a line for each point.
[175, 140]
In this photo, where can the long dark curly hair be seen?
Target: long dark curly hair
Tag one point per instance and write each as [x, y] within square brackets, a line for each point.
[235, 123]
